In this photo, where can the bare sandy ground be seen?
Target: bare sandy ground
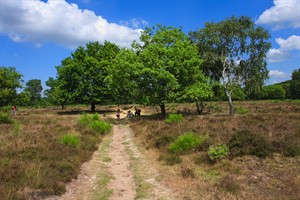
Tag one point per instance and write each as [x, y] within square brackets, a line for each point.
[122, 184]
[119, 161]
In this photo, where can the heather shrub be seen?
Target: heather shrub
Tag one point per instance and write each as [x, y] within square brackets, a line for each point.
[170, 159]
[174, 118]
[163, 141]
[247, 143]
[186, 142]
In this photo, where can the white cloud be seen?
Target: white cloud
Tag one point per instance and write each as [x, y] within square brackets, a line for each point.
[277, 74]
[284, 14]
[283, 52]
[60, 22]
[277, 55]
[292, 43]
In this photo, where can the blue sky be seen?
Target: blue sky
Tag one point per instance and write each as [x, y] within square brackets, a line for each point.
[35, 35]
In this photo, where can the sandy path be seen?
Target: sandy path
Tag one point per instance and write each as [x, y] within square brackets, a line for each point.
[113, 172]
[122, 184]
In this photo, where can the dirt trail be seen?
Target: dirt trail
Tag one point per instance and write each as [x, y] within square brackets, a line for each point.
[117, 171]
[122, 184]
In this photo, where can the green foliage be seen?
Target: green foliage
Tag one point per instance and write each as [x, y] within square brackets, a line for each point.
[274, 92]
[34, 88]
[10, 80]
[99, 126]
[5, 118]
[70, 140]
[174, 118]
[169, 64]
[295, 89]
[218, 152]
[94, 123]
[81, 77]
[122, 75]
[246, 143]
[187, 142]
[236, 55]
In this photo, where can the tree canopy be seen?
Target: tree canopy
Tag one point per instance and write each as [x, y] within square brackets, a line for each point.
[10, 80]
[234, 52]
[170, 64]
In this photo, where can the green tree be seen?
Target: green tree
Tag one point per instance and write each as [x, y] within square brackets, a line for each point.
[274, 92]
[34, 88]
[170, 63]
[55, 94]
[23, 99]
[295, 84]
[234, 52]
[122, 75]
[198, 92]
[10, 80]
[81, 76]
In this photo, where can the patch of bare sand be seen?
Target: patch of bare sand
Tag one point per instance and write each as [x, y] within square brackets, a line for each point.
[146, 176]
[122, 184]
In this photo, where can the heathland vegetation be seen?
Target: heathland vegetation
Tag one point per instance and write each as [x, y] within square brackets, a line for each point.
[204, 153]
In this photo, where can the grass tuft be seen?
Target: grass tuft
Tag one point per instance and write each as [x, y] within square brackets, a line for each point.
[187, 142]
[70, 140]
[174, 118]
[5, 118]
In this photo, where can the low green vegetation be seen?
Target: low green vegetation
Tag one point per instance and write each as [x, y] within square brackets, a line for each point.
[70, 139]
[5, 118]
[218, 152]
[94, 123]
[174, 118]
[187, 142]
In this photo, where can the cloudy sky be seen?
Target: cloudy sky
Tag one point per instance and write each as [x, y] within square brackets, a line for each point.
[36, 35]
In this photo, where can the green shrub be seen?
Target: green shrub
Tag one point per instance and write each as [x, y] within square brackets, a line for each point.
[187, 142]
[99, 126]
[247, 143]
[94, 123]
[241, 110]
[174, 118]
[70, 140]
[5, 118]
[218, 152]
[5, 109]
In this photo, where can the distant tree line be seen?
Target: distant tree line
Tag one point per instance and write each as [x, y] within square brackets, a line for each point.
[222, 61]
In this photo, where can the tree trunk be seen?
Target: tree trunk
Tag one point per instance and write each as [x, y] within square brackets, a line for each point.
[93, 107]
[62, 106]
[200, 107]
[231, 109]
[163, 109]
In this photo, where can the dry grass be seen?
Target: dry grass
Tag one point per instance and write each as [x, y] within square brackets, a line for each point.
[33, 162]
[246, 177]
